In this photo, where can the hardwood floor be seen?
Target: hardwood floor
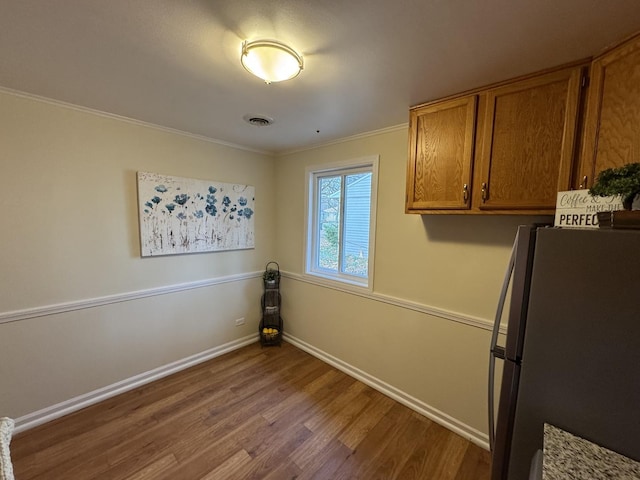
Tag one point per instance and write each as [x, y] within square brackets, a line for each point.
[272, 413]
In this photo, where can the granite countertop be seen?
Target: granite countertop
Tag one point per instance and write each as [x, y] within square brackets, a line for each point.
[567, 457]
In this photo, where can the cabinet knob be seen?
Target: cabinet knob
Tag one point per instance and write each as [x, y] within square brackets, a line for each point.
[465, 193]
[584, 182]
[484, 192]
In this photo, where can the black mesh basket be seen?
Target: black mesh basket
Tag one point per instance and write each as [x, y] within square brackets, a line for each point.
[271, 323]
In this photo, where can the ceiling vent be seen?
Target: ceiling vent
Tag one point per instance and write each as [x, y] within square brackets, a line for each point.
[258, 120]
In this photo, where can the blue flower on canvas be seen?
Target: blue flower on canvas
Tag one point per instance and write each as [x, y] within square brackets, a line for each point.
[181, 199]
[211, 200]
[161, 189]
[212, 189]
[156, 200]
[182, 216]
[148, 204]
[198, 214]
[211, 209]
[248, 213]
[242, 201]
[170, 206]
[226, 201]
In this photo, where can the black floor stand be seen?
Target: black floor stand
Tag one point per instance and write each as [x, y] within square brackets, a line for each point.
[271, 323]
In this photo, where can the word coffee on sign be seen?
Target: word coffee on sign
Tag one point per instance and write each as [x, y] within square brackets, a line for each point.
[578, 209]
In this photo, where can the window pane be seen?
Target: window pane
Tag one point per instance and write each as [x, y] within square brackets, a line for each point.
[329, 222]
[357, 207]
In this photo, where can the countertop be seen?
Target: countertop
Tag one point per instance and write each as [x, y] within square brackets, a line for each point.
[567, 457]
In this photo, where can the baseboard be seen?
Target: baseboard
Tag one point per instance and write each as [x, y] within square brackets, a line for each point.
[53, 412]
[462, 429]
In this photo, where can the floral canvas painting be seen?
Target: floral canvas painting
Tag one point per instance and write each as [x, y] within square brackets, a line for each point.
[184, 215]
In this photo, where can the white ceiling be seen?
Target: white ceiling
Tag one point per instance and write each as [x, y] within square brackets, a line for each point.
[176, 63]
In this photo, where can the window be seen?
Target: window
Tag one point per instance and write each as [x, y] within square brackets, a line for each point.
[341, 221]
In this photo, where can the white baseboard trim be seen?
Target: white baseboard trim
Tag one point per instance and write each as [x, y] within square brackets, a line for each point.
[470, 433]
[53, 412]
[25, 314]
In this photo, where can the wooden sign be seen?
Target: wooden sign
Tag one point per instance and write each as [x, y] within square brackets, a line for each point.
[578, 209]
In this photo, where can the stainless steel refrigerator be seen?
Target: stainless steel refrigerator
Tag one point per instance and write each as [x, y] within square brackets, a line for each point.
[572, 351]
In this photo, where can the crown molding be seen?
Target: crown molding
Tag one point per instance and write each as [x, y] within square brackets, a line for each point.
[132, 121]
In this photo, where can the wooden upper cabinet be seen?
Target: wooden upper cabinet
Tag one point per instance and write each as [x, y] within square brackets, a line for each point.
[612, 121]
[509, 148]
[441, 155]
[528, 141]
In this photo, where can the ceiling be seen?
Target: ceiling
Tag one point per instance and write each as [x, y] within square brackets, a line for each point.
[175, 63]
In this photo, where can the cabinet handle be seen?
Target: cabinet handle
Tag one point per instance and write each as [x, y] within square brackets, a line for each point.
[484, 192]
[465, 192]
[584, 182]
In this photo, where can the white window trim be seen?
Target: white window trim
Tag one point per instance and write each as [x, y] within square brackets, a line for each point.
[310, 214]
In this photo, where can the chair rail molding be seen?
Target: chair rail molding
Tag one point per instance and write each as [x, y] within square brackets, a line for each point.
[17, 315]
[398, 302]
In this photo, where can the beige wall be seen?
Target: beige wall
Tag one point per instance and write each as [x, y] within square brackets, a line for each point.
[452, 263]
[70, 233]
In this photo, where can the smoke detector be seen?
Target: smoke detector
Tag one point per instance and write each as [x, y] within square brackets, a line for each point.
[258, 120]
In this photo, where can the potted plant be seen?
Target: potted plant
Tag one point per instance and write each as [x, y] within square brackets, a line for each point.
[623, 181]
[271, 276]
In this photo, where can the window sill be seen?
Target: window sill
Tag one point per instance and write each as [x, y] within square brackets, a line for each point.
[344, 283]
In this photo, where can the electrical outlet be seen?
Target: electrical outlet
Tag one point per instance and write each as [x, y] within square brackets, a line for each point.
[239, 321]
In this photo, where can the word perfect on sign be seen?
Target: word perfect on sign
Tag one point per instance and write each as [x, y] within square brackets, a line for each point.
[578, 209]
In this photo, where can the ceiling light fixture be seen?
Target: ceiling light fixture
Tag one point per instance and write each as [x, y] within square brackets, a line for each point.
[270, 60]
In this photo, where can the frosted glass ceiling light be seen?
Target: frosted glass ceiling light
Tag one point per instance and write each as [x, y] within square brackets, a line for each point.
[270, 60]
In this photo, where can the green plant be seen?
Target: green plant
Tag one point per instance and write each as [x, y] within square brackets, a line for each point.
[270, 275]
[623, 181]
[331, 233]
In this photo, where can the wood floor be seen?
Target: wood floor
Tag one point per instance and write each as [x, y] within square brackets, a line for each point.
[272, 413]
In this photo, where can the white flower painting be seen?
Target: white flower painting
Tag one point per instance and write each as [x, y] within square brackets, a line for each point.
[184, 215]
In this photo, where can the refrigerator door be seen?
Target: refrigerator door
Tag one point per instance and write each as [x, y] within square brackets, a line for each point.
[497, 351]
[504, 428]
[526, 240]
[518, 273]
[582, 347]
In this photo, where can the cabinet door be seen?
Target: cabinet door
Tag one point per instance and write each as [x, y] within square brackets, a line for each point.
[612, 122]
[528, 141]
[441, 155]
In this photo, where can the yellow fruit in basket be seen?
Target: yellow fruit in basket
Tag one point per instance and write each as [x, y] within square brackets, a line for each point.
[264, 330]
